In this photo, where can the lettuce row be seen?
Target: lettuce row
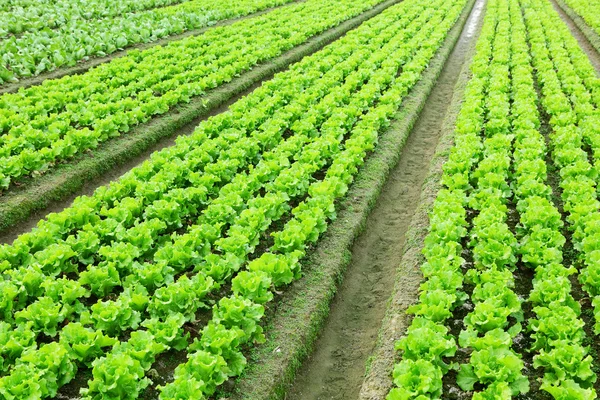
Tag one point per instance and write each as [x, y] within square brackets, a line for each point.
[580, 81]
[115, 211]
[8, 5]
[130, 374]
[270, 269]
[168, 308]
[541, 242]
[44, 124]
[179, 167]
[175, 258]
[242, 239]
[116, 320]
[119, 265]
[419, 374]
[31, 16]
[582, 87]
[558, 329]
[309, 216]
[118, 206]
[113, 316]
[589, 10]
[497, 315]
[61, 37]
[581, 63]
[139, 240]
[163, 309]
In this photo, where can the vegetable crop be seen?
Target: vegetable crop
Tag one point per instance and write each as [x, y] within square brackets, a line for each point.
[589, 10]
[499, 164]
[121, 273]
[37, 38]
[45, 124]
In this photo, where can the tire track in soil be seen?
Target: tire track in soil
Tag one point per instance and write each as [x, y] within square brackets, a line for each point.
[336, 368]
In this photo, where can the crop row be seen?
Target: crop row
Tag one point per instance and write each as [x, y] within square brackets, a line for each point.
[30, 16]
[321, 202]
[177, 184]
[508, 169]
[60, 118]
[427, 343]
[589, 10]
[557, 329]
[34, 52]
[569, 96]
[244, 186]
[497, 314]
[221, 223]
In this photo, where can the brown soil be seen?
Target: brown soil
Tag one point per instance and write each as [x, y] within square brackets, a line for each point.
[336, 368]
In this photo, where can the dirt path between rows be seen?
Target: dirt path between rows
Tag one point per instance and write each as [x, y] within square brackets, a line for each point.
[336, 369]
[584, 43]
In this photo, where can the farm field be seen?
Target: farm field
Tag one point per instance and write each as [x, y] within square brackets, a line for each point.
[39, 37]
[380, 199]
[589, 11]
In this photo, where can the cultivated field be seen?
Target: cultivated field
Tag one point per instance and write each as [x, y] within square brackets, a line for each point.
[300, 199]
